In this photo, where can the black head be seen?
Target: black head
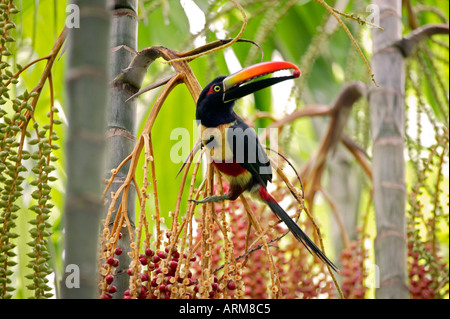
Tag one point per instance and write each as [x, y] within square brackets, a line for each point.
[215, 103]
[211, 108]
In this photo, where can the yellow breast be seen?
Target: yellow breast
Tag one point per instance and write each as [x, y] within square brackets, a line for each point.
[215, 140]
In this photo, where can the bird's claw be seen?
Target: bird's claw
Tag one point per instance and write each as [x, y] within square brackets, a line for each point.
[196, 201]
[215, 199]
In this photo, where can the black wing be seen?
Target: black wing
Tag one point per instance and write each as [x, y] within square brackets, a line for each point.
[249, 152]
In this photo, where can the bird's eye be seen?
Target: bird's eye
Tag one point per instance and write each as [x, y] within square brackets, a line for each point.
[216, 88]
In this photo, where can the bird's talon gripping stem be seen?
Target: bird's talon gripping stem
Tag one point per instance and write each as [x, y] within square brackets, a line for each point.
[215, 199]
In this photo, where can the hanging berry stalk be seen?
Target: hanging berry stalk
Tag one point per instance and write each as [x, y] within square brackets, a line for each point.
[18, 144]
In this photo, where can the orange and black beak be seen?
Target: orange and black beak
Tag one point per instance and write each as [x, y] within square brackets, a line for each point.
[253, 78]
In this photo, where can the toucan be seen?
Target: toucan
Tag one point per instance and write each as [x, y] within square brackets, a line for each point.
[233, 146]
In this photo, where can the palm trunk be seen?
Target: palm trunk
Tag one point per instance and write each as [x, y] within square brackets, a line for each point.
[121, 119]
[387, 106]
[345, 187]
[87, 87]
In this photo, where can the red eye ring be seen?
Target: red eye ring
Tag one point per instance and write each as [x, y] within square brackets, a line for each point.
[214, 89]
[210, 91]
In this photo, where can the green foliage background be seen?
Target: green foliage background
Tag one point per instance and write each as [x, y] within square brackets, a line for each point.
[294, 29]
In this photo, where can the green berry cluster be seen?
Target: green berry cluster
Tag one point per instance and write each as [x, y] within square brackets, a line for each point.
[40, 230]
[26, 156]
[10, 157]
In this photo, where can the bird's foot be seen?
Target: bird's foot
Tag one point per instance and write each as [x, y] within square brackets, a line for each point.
[215, 199]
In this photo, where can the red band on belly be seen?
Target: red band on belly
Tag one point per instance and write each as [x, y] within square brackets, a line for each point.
[232, 169]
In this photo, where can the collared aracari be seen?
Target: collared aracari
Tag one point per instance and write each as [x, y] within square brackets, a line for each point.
[234, 147]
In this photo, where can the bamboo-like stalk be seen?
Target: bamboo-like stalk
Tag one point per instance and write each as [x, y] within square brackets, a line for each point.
[387, 106]
[87, 87]
[121, 119]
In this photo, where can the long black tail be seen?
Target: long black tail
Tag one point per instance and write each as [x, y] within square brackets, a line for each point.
[294, 228]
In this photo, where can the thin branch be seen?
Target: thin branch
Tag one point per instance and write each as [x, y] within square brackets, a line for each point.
[409, 43]
[244, 25]
[293, 168]
[335, 13]
[359, 154]
[357, 19]
[311, 110]
[114, 173]
[323, 249]
[312, 171]
[214, 46]
[26, 67]
[45, 74]
[152, 86]
[337, 216]
[256, 248]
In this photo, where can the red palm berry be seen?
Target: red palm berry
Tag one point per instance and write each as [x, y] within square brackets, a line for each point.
[112, 289]
[173, 265]
[109, 279]
[149, 252]
[143, 260]
[161, 254]
[145, 277]
[156, 259]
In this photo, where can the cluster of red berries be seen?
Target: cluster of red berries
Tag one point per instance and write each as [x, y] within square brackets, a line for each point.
[257, 269]
[228, 281]
[352, 271]
[420, 282]
[426, 273]
[216, 287]
[159, 276]
[167, 273]
[113, 262]
[300, 274]
[165, 281]
[257, 275]
[305, 277]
